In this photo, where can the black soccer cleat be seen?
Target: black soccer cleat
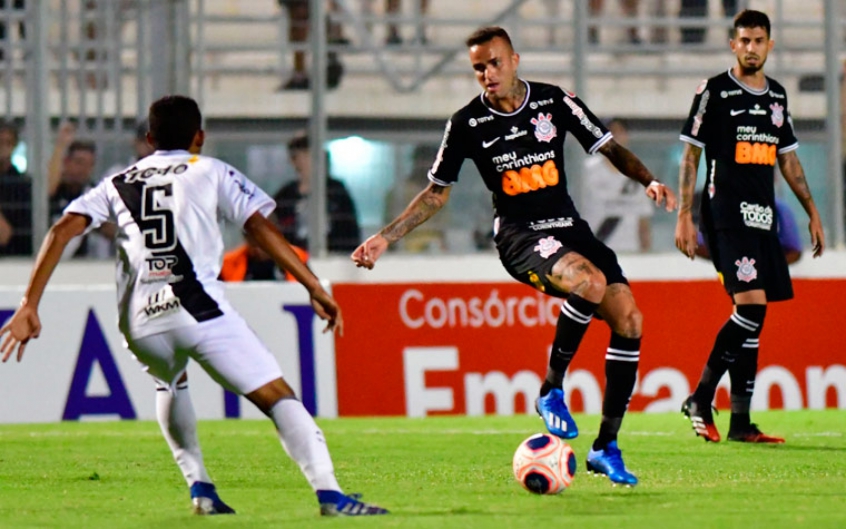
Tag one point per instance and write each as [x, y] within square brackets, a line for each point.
[701, 419]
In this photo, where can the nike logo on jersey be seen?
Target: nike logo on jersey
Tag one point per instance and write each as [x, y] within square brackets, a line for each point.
[486, 144]
[737, 112]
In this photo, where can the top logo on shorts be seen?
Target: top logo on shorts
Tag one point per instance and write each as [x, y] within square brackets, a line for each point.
[777, 115]
[746, 271]
[548, 246]
[544, 129]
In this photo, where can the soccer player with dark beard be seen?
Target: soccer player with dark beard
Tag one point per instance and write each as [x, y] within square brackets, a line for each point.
[514, 132]
[740, 118]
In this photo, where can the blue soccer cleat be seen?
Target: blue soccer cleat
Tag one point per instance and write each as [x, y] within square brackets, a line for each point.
[610, 463]
[336, 503]
[205, 500]
[555, 414]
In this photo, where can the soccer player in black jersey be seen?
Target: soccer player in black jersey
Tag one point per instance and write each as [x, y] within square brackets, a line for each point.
[514, 132]
[740, 118]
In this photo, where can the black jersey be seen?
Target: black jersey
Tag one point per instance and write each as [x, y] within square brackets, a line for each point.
[742, 131]
[520, 155]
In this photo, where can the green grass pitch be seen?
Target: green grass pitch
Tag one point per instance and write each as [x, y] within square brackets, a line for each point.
[436, 472]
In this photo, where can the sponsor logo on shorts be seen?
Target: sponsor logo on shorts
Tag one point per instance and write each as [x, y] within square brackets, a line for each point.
[546, 224]
[535, 280]
[746, 271]
[548, 246]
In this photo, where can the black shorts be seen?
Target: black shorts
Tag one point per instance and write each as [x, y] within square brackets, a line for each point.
[747, 260]
[529, 255]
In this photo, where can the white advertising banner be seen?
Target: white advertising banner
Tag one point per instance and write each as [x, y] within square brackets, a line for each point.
[79, 368]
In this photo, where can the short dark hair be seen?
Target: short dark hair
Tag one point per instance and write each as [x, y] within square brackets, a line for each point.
[82, 145]
[487, 34]
[174, 121]
[749, 19]
[12, 128]
[141, 130]
[298, 142]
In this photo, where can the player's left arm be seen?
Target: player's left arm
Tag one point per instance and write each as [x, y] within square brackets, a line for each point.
[630, 165]
[25, 324]
[793, 173]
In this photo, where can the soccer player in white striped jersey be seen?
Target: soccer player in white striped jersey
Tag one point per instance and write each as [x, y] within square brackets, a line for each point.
[171, 305]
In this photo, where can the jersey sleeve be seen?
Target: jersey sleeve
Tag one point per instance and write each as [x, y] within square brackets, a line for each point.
[450, 157]
[787, 141]
[696, 127]
[582, 123]
[93, 204]
[239, 197]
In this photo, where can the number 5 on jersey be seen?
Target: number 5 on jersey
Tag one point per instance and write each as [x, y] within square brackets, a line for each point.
[157, 218]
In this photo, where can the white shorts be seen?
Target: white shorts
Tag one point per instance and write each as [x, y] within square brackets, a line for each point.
[227, 349]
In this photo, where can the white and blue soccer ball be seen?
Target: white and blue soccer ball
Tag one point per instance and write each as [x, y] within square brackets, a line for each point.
[544, 464]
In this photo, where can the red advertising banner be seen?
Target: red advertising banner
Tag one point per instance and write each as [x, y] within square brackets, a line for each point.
[462, 348]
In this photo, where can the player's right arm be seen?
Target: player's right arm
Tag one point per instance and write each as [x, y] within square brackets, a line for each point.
[419, 210]
[442, 175]
[25, 324]
[685, 229]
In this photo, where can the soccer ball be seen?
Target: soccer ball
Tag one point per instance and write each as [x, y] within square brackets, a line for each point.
[544, 464]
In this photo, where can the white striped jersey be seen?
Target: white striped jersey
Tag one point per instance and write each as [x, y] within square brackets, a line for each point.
[167, 208]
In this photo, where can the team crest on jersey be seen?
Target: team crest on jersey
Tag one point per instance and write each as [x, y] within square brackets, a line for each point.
[778, 114]
[548, 246]
[746, 271]
[544, 129]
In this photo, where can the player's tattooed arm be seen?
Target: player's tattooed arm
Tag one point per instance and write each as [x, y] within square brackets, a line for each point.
[687, 177]
[630, 165]
[685, 235]
[422, 207]
[792, 170]
[626, 162]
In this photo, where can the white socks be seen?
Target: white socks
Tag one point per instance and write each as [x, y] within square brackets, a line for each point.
[179, 426]
[303, 440]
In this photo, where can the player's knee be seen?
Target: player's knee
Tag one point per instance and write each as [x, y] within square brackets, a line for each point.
[628, 323]
[268, 395]
[592, 286]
